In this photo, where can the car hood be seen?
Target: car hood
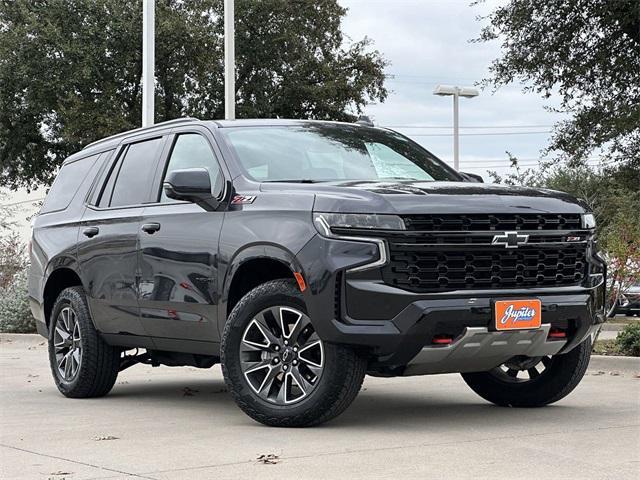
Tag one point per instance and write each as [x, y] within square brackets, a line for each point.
[408, 197]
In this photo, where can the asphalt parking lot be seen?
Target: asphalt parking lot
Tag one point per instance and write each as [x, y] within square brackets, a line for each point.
[175, 423]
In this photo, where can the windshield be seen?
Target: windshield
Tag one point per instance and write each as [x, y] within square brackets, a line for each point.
[331, 152]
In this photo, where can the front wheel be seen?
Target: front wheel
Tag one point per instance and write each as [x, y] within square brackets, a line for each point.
[278, 369]
[532, 382]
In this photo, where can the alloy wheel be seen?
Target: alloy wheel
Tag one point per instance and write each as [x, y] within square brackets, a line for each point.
[67, 342]
[281, 355]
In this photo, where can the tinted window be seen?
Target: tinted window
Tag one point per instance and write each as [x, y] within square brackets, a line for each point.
[67, 183]
[327, 152]
[105, 197]
[192, 151]
[134, 174]
[103, 171]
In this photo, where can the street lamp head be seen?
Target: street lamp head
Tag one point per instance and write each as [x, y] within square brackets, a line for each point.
[447, 90]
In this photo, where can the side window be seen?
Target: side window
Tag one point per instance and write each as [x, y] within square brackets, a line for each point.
[192, 150]
[103, 171]
[131, 177]
[67, 183]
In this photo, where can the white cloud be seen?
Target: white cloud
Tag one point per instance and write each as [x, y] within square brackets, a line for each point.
[428, 42]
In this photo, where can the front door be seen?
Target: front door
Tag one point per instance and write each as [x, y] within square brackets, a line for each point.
[178, 253]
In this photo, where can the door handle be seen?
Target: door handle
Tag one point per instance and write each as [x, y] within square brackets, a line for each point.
[151, 228]
[91, 232]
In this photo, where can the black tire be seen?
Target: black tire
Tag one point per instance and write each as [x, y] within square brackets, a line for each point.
[99, 363]
[340, 381]
[556, 382]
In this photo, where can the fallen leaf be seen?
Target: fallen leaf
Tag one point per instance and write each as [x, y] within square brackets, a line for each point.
[105, 437]
[269, 459]
[615, 374]
[60, 472]
[189, 392]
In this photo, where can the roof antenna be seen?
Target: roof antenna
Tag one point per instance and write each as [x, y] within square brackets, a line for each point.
[365, 121]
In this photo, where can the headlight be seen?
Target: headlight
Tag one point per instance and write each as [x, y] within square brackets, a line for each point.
[588, 220]
[324, 222]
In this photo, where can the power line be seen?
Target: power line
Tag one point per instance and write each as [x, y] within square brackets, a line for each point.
[475, 134]
[467, 126]
[591, 162]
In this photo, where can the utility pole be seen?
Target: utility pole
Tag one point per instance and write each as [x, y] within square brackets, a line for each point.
[148, 62]
[229, 61]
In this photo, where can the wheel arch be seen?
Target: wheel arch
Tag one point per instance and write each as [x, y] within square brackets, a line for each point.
[254, 266]
[56, 282]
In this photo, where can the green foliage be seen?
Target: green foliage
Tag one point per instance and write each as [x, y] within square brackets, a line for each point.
[588, 53]
[70, 70]
[15, 314]
[628, 340]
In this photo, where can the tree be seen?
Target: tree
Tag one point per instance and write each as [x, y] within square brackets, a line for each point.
[70, 70]
[588, 53]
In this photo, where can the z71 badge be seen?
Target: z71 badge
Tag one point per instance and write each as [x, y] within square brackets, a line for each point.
[242, 199]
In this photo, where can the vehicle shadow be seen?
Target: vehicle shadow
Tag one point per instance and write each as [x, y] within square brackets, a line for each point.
[389, 406]
[429, 410]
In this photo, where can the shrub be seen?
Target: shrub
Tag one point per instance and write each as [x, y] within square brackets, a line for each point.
[15, 314]
[13, 258]
[628, 340]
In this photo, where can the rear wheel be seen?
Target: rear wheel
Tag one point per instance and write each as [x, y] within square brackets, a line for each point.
[278, 369]
[82, 364]
[532, 381]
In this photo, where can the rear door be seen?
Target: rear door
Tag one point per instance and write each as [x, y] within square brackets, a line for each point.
[178, 250]
[108, 239]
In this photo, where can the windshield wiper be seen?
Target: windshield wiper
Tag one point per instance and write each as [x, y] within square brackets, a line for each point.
[299, 180]
[399, 178]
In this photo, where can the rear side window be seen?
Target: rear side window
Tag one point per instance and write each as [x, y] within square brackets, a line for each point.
[67, 183]
[131, 177]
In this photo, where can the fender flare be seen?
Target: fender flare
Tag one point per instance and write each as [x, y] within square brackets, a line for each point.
[255, 251]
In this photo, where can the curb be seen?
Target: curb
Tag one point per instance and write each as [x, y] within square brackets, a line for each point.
[615, 364]
[21, 338]
[612, 327]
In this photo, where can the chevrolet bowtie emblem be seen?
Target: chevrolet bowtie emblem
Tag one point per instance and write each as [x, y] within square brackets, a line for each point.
[510, 239]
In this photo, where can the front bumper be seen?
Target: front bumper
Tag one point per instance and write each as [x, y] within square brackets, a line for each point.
[396, 327]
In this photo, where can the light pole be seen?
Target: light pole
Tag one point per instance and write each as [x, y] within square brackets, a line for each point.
[229, 61]
[456, 93]
[148, 61]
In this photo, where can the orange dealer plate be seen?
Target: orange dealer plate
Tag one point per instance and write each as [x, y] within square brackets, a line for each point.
[518, 314]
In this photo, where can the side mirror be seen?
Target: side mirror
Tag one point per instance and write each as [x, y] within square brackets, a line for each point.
[471, 177]
[191, 185]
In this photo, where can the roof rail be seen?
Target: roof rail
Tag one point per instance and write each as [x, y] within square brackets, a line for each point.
[151, 127]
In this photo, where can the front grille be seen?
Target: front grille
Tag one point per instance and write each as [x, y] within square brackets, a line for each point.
[492, 222]
[440, 253]
[414, 268]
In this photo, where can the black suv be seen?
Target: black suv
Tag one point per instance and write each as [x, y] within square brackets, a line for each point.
[302, 255]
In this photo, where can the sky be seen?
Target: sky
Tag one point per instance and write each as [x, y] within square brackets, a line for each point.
[427, 43]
